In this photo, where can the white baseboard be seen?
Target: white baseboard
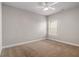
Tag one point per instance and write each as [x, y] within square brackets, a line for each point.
[74, 44]
[8, 46]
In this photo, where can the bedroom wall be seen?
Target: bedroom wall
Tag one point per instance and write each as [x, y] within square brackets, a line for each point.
[64, 26]
[0, 27]
[21, 26]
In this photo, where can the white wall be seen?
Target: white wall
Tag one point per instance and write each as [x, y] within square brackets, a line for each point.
[21, 26]
[64, 26]
[0, 27]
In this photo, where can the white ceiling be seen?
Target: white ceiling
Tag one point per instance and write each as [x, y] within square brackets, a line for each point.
[33, 6]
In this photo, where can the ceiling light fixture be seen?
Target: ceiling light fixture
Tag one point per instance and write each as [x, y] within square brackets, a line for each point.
[46, 8]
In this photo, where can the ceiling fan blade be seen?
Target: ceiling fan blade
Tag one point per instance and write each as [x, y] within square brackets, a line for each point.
[52, 8]
[53, 4]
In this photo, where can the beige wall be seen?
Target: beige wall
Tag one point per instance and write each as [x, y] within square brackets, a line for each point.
[0, 27]
[64, 26]
[21, 26]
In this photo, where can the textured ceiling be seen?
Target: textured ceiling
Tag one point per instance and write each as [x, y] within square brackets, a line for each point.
[34, 6]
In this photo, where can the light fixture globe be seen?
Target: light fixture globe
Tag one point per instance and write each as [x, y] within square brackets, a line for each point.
[45, 9]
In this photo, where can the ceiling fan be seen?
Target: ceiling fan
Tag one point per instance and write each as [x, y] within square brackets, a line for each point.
[47, 5]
